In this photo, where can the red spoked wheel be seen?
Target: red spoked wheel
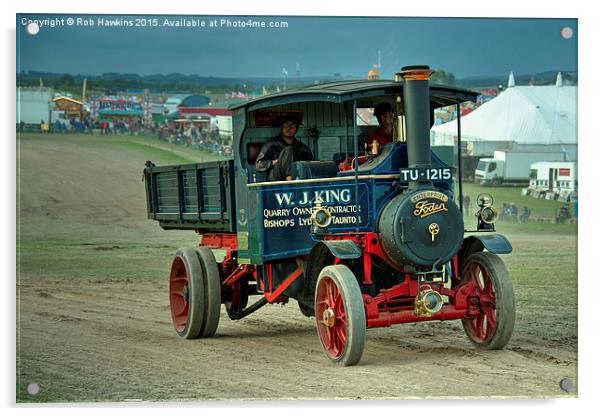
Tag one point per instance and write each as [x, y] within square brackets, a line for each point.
[186, 293]
[340, 315]
[494, 296]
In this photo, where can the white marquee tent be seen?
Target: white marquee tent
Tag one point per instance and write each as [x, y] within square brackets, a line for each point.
[531, 115]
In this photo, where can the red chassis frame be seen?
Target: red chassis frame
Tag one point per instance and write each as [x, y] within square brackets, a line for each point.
[391, 306]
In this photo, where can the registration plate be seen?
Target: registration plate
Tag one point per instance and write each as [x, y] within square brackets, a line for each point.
[425, 174]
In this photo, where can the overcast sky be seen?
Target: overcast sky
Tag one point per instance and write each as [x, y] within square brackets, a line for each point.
[318, 45]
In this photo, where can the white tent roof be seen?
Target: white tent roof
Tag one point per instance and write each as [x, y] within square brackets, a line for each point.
[522, 114]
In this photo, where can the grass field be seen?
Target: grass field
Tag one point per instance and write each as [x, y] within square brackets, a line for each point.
[82, 215]
[70, 237]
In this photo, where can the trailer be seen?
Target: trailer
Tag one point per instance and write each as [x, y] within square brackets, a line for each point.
[357, 241]
[557, 180]
[511, 166]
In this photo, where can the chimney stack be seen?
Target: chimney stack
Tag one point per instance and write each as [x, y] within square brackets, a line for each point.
[416, 102]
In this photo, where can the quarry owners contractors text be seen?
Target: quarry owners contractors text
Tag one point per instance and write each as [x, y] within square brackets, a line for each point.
[163, 22]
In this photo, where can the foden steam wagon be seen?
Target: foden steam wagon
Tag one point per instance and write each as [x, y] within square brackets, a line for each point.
[358, 241]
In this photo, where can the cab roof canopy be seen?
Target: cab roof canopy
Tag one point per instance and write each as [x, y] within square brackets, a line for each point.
[364, 91]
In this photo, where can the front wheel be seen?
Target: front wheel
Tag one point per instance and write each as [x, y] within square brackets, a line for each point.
[494, 296]
[340, 315]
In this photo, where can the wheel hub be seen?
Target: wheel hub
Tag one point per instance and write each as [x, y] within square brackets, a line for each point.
[328, 317]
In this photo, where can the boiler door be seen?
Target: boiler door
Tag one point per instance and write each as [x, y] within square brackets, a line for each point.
[421, 227]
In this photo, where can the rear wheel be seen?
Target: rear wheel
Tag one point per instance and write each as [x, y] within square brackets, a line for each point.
[494, 295]
[187, 293]
[340, 315]
[212, 292]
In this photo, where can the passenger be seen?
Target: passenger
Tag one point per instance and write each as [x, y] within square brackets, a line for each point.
[276, 156]
[384, 133]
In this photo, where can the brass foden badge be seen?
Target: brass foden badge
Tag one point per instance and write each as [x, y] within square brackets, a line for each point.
[425, 204]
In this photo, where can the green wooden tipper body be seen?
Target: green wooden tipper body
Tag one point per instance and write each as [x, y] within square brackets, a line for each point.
[197, 196]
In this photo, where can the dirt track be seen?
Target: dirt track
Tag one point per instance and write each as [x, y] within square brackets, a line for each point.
[110, 339]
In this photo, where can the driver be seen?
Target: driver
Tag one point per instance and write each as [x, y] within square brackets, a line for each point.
[276, 156]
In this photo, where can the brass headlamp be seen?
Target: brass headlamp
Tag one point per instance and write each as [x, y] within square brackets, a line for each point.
[428, 302]
[320, 217]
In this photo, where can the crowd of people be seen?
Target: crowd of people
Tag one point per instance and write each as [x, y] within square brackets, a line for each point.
[192, 135]
[87, 125]
[123, 126]
[510, 212]
[186, 134]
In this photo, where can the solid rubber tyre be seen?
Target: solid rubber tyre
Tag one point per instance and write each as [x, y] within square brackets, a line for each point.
[187, 293]
[212, 293]
[493, 327]
[338, 294]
